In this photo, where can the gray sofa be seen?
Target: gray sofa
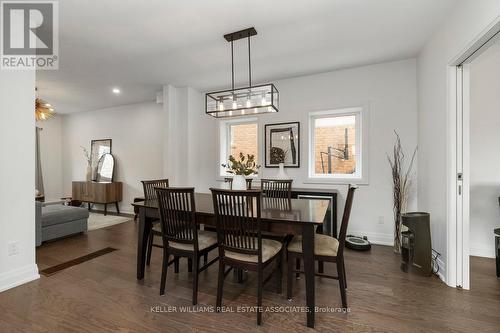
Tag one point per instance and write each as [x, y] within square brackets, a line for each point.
[56, 220]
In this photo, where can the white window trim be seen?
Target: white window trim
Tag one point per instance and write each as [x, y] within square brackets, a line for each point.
[361, 176]
[223, 143]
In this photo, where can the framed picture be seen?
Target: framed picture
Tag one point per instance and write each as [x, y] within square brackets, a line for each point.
[282, 145]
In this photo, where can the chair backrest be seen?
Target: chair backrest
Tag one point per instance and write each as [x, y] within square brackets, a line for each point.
[149, 187]
[277, 188]
[178, 214]
[282, 204]
[345, 218]
[237, 215]
[230, 181]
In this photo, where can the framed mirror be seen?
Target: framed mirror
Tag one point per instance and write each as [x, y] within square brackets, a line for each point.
[97, 149]
[105, 168]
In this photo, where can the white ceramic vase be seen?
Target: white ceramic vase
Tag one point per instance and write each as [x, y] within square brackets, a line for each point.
[281, 172]
[239, 183]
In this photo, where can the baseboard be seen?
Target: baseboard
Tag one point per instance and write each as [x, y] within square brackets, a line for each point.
[18, 277]
[375, 238]
[478, 251]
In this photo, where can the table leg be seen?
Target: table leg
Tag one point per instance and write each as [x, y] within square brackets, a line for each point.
[308, 257]
[142, 241]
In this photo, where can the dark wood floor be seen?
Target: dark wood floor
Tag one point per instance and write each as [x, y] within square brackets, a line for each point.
[103, 295]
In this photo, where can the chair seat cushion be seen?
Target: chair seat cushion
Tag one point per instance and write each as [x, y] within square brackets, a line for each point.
[324, 245]
[57, 214]
[205, 239]
[269, 249]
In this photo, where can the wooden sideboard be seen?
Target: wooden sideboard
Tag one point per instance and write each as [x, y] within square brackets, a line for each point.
[98, 193]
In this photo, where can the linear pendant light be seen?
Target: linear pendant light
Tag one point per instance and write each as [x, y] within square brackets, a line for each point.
[244, 101]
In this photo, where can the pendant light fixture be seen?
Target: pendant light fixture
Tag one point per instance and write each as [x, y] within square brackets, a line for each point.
[242, 101]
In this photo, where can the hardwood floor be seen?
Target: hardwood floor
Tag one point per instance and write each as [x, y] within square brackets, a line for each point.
[103, 295]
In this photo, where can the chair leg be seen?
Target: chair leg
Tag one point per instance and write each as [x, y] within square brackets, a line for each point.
[196, 262]
[279, 273]
[176, 265]
[190, 265]
[345, 274]
[341, 273]
[220, 285]
[205, 258]
[259, 295]
[150, 248]
[164, 270]
[289, 276]
[297, 267]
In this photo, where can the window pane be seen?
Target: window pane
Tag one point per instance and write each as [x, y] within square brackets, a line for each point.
[334, 145]
[244, 139]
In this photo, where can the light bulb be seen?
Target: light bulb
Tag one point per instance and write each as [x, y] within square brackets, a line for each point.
[221, 106]
[255, 110]
[42, 116]
[243, 112]
[249, 103]
[235, 106]
[48, 105]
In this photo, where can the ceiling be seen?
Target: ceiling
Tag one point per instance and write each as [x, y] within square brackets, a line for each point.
[139, 46]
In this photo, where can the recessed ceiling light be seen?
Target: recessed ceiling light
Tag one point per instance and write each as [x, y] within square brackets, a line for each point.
[116, 91]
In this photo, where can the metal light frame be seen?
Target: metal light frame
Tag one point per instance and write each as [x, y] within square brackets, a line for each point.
[224, 103]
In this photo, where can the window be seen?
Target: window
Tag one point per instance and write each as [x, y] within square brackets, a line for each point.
[336, 145]
[238, 136]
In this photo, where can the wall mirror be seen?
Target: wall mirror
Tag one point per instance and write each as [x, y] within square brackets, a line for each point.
[105, 168]
[97, 149]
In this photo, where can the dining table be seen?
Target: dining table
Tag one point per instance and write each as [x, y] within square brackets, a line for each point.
[283, 216]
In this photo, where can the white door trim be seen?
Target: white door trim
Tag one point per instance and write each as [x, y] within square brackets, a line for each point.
[458, 157]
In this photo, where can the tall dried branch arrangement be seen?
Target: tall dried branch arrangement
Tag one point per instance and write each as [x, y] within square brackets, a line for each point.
[401, 178]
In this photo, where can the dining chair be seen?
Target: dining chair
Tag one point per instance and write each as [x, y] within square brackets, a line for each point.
[230, 181]
[241, 246]
[150, 194]
[180, 234]
[326, 249]
[276, 188]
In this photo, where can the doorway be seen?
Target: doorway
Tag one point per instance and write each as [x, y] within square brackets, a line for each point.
[460, 162]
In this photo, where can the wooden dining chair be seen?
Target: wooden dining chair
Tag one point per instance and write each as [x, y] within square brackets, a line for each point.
[326, 249]
[241, 246]
[276, 188]
[150, 194]
[180, 234]
[230, 181]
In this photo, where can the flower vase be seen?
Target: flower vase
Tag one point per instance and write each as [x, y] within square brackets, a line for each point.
[281, 172]
[89, 173]
[239, 183]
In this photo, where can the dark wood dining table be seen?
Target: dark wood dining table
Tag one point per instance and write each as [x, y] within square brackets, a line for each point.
[294, 217]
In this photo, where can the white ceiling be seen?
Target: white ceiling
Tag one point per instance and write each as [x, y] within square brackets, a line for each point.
[140, 45]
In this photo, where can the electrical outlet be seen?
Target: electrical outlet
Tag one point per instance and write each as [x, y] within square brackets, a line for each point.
[381, 220]
[13, 249]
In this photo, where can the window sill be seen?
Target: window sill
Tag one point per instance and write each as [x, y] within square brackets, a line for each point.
[336, 181]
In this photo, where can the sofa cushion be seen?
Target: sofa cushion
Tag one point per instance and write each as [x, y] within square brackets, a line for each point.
[57, 214]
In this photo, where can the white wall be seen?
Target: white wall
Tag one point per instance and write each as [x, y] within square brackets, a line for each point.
[484, 152]
[390, 92]
[51, 158]
[137, 134]
[17, 178]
